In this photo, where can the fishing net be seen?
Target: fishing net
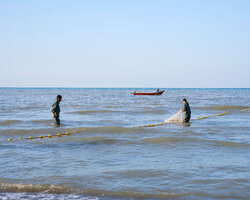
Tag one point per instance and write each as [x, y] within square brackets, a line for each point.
[176, 118]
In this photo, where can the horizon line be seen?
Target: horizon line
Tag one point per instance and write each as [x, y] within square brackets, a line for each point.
[53, 87]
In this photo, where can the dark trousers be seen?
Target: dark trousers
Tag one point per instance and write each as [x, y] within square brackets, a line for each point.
[186, 118]
[57, 120]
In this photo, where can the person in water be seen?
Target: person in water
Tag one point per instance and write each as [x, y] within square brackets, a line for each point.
[55, 109]
[187, 111]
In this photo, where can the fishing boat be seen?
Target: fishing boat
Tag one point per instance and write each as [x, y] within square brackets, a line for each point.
[148, 93]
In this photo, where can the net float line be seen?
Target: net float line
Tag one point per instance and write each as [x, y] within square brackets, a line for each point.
[163, 123]
[221, 114]
[44, 136]
[245, 109]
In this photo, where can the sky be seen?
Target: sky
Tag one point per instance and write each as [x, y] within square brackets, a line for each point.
[125, 43]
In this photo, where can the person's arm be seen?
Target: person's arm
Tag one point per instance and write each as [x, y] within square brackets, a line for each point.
[184, 108]
[53, 109]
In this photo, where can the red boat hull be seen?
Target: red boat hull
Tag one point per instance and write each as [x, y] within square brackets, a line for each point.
[152, 93]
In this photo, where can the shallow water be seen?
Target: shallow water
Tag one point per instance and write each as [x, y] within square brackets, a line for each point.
[108, 159]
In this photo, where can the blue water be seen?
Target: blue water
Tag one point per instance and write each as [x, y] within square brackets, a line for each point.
[109, 159]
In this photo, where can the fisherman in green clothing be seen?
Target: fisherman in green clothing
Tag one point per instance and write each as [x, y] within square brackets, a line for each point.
[55, 109]
[186, 110]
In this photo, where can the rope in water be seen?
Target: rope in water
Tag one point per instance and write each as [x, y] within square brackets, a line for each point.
[45, 136]
[245, 109]
[163, 123]
[143, 126]
[210, 116]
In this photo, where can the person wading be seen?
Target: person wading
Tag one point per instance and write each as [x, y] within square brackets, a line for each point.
[187, 111]
[55, 109]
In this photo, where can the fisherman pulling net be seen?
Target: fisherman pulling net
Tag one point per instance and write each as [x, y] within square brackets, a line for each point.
[176, 118]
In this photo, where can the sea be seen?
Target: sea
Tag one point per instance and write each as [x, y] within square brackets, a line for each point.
[117, 147]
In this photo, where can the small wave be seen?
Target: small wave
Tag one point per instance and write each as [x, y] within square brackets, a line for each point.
[8, 122]
[31, 107]
[224, 107]
[173, 140]
[231, 144]
[41, 121]
[100, 139]
[37, 132]
[96, 140]
[60, 189]
[44, 196]
[161, 140]
[111, 129]
[19, 187]
[75, 106]
[25, 108]
[84, 112]
[33, 132]
[140, 173]
[151, 112]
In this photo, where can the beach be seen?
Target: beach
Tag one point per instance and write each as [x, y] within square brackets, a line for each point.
[107, 156]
